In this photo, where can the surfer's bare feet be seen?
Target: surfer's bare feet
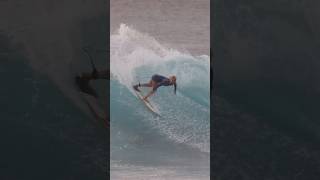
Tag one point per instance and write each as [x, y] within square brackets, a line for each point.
[136, 88]
[145, 99]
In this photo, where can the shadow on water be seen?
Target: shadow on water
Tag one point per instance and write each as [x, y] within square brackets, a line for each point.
[43, 135]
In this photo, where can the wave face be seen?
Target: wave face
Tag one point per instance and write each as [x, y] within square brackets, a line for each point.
[36, 118]
[184, 121]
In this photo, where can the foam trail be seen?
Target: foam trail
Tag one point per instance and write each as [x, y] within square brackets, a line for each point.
[185, 117]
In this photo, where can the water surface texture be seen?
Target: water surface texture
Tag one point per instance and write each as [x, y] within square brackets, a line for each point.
[175, 145]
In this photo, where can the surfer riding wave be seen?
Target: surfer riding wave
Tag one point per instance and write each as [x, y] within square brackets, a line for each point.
[83, 82]
[84, 79]
[157, 81]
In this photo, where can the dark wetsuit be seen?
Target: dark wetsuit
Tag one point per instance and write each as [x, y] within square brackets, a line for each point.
[160, 81]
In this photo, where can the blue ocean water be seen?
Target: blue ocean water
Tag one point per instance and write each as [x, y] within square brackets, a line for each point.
[180, 138]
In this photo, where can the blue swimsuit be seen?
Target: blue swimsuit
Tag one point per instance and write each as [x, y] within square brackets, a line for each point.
[161, 81]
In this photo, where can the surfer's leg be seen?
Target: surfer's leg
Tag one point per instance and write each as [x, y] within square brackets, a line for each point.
[104, 74]
[135, 87]
[151, 82]
[83, 84]
[85, 76]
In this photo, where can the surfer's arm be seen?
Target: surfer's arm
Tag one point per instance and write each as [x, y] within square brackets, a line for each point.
[175, 88]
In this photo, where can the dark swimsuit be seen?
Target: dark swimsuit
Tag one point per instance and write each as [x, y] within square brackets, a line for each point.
[161, 81]
[84, 86]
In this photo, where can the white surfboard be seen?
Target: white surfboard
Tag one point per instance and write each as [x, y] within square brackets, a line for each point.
[96, 110]
[147, 104]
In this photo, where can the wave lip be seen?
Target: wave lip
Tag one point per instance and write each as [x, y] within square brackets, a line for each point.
[185, 119]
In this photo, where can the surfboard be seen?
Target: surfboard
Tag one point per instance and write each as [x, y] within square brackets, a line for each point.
[96, 110]
[147, 104]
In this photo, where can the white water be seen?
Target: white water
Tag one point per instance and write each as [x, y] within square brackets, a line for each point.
[183, 130]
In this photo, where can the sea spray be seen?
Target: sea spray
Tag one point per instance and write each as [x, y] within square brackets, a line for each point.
[185, 119]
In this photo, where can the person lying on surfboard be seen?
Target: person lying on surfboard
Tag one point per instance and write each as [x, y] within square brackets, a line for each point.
[157, 81]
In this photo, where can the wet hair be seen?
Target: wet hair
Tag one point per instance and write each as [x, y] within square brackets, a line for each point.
[174, 78]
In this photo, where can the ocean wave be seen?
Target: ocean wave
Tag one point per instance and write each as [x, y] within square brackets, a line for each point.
[185, 117]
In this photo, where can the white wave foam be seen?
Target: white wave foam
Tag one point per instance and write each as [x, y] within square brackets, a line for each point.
[136, 57]
[130, 49]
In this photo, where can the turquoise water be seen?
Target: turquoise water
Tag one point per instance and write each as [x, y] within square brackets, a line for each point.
[181, 136]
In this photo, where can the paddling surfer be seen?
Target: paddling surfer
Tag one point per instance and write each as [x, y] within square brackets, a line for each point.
[157, 81]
